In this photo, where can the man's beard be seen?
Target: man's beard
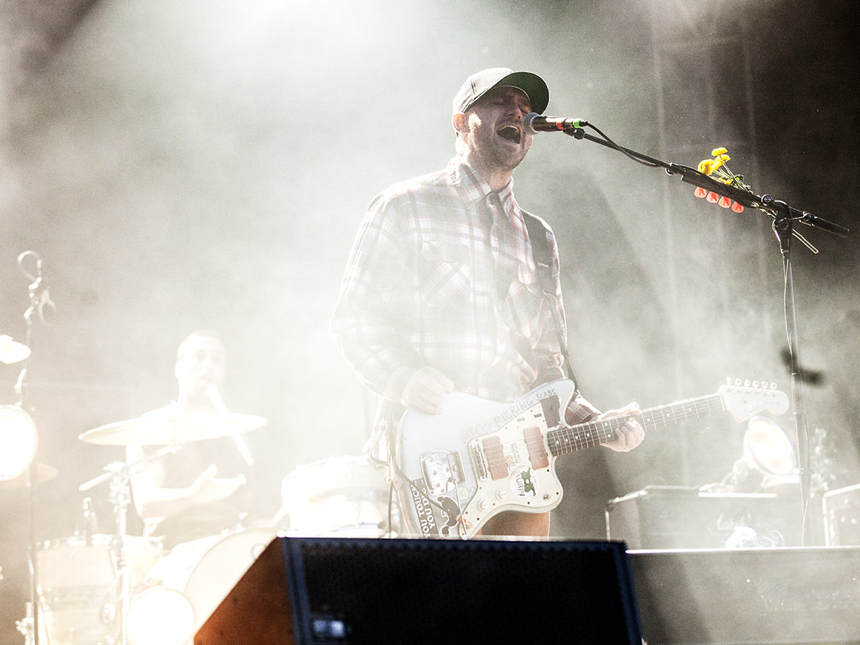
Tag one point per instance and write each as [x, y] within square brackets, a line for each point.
[494, 155]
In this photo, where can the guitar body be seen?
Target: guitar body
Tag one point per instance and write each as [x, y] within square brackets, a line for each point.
[479, 458]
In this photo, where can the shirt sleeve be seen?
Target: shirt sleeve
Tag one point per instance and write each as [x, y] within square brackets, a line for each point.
[366, 304]
[579, 410]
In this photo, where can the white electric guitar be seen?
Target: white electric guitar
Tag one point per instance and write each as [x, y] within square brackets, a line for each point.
[481, 457]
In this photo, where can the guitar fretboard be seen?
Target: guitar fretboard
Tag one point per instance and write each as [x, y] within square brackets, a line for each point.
[586, 435]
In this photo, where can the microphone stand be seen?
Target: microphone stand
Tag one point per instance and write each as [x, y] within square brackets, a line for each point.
[31, 629]
[783, 226]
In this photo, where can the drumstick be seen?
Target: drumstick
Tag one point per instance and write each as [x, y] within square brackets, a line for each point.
[218, 402]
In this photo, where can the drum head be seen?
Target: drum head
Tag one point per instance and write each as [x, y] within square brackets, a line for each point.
[337, 496]
[79, 585]
[221, 567]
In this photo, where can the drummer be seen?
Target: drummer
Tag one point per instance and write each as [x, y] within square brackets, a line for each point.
[201, 489]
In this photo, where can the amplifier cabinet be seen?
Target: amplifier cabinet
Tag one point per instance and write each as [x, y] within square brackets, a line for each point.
[842, 516]
[659, 517]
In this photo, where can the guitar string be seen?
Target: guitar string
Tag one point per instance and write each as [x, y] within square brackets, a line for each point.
[587, 435]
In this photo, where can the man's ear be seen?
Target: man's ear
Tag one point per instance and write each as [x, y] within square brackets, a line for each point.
[460, 122]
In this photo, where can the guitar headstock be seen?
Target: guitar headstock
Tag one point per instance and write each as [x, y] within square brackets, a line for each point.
[744, 399]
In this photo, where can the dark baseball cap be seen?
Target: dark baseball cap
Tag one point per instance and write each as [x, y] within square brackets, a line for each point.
[482, 82]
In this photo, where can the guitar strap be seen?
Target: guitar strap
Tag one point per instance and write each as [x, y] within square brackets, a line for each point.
[538, 232]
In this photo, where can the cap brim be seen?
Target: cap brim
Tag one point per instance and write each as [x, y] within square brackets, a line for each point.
[532, 84]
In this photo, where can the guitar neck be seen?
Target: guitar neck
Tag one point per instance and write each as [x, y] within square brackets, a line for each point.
[586, 435]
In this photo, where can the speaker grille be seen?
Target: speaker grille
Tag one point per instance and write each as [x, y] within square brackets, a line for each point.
[432, 591]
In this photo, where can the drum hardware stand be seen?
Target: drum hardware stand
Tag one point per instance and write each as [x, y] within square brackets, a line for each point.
[120, 498]
[27, 625]
[119, 474]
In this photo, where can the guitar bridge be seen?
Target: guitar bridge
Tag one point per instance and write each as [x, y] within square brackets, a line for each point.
[442, 470]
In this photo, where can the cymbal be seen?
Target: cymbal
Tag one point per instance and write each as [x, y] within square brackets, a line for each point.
[44, 473]
[11, 351]
[174, 429]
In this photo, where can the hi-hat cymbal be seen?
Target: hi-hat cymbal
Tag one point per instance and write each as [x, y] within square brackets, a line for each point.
[11, 351]
[174, 429]
[44, 473]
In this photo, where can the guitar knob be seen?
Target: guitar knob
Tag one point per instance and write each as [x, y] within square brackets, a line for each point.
[482, 505]
[501, 495]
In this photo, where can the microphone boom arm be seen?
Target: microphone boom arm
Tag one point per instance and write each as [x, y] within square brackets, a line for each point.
[700, 179]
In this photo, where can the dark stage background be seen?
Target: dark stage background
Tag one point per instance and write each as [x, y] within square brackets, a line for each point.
[206, 164]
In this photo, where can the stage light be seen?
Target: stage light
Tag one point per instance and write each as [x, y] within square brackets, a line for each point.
[767, 448]
[768, 463]
[160, 616]
[18, 441]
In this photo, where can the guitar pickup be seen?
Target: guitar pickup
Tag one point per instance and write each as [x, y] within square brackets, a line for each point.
[442, 470]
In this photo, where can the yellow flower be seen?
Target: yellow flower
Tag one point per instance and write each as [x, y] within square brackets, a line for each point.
[709, 166]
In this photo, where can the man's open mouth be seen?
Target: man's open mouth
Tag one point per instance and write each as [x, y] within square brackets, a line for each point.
[510, 133]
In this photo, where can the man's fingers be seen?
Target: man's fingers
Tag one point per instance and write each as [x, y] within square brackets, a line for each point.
[426, 390]
[436, 377]
[631, 433]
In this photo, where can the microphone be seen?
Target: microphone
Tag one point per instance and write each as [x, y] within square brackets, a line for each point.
[45, 307]
[40, 298]
[534, 123]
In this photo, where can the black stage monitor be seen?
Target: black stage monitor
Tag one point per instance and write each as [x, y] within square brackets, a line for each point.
[377, 591]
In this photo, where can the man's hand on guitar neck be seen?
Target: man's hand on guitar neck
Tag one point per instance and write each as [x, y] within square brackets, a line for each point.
[630, 434]
[425, 390]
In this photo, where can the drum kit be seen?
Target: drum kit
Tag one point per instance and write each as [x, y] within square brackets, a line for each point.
[87, 584]
[107, 589]
[340, 496]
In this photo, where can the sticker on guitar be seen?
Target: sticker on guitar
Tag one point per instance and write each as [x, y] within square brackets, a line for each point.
[481, 457]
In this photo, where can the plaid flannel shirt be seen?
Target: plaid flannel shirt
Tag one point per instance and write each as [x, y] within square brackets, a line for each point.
[442, 274]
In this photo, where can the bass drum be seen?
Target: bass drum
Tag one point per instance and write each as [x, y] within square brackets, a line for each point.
[78, 586]
[339, 497]
[206, 570]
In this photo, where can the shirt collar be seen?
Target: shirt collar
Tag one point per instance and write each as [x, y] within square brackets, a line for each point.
[474, 188]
